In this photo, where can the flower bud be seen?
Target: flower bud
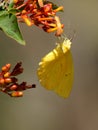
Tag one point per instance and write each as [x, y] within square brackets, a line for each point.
[6, 67]
[47, 7]
[2, 81]
[7, 80]
[15, 1]
[7, 74]
[13, 87]
[17, 94]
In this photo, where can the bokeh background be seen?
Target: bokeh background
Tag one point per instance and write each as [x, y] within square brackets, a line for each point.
[40, 109]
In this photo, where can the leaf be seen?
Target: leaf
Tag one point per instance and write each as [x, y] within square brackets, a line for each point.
[13, 11]
[8, 23]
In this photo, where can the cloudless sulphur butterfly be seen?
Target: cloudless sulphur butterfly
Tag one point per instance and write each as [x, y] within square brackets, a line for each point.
[55, 70]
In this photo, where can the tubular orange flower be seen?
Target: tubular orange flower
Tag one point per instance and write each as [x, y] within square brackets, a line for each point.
[40, 3]
[26, 20]
[40, 13]
[59, 26]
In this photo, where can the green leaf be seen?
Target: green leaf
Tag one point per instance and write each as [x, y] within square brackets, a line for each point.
[8, 23]
[13, 11]
[11, 4]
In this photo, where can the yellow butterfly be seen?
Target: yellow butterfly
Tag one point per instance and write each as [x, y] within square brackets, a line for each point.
[55, 70]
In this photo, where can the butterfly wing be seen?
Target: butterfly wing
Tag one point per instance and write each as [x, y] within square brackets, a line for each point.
[66, 76]
[55, 70]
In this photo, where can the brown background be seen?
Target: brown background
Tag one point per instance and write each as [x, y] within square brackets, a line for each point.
[40, 109]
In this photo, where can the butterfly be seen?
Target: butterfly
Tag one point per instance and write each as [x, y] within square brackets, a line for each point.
[55, 71]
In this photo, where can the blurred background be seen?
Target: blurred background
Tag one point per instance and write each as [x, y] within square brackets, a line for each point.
[40, 109]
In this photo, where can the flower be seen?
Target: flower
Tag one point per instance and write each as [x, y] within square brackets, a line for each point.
[9, 83]
[40, 13]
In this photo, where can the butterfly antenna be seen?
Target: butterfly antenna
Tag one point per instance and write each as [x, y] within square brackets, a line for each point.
[73, 36]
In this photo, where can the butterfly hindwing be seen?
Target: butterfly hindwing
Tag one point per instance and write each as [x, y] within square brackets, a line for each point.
[55, 70]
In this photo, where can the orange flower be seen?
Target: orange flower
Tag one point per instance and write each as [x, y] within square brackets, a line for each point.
[27, 20]
[9, 83]
[40, 13]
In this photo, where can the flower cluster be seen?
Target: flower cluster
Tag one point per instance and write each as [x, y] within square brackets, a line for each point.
[9, 83]
[41, 13]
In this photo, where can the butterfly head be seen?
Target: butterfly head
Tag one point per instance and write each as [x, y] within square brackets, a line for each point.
[66, 45]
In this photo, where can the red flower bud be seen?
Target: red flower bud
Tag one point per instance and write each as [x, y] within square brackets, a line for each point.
[6, 67]
[13, 87]
[7, 74]
[7, 80]
[17, 94]
[2, 81]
